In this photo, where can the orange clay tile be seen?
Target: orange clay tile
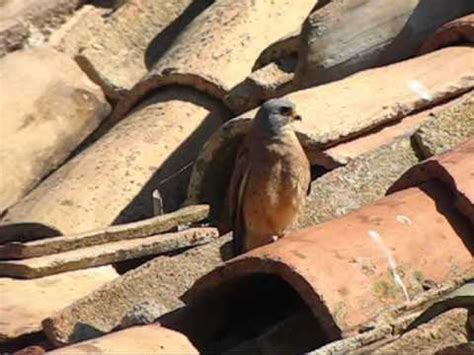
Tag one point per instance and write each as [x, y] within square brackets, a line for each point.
[350, 269]
[456, 32]
[454, 168]
[151, 339]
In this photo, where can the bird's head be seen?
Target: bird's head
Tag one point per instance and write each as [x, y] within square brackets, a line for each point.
[276, 116]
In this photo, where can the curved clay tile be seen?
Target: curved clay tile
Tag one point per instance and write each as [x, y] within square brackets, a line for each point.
[454, 168]
[24, 21]
[343, 111]
[117, 48]
[457, 32]
[151, 339]
[345, 37]
[348, 36]
[161, 138]
[220, 47]
[43, 123]
[111, 182]
[349, 269]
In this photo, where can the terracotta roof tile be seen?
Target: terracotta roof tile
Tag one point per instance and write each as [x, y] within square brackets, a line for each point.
[454, 168]
[29, 134]
[343, 111]
[338, 40]
[157, 141]
[368, 263]
[153, 288]
[458, 31]
[116, 48]
[365, 261]
[50, 294]
[219, 48]
[25, 22]
[105, 254]
[145, 339]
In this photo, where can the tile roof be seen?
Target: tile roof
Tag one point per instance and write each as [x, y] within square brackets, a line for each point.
[455, 169]
[149, 338]
[331, 51]
[64, 106]
[138, 101]
[343, 111]
[455, 32]
[349, 269]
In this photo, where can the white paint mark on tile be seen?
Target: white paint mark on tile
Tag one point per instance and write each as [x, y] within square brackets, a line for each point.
[404, 220]
[375, 236]
[418, 88]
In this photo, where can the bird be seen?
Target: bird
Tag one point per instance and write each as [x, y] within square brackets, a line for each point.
[270, 179]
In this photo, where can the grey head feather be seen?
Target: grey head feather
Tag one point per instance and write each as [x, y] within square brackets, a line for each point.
[275, 116]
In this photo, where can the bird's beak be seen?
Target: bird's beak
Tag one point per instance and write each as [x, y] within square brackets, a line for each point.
[296, 117]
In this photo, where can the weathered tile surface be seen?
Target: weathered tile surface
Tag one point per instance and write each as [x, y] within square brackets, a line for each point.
[105, 253]
[347, 151]
[174, 71]
[363, 101]
[46, 113]
[217, 50]
[376, 257]
[111, 182]
[144, 228]
[345, 37]
[362, 181]
[25, 303]
[446, 330]
[152, 289]
[117, 49]
[151, 339]
[454, 168]
[30, 22]
[447, 128]
[342, 111]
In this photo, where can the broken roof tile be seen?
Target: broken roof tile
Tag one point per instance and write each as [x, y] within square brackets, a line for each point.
[105, 254]
[51, 245]
[154, 287]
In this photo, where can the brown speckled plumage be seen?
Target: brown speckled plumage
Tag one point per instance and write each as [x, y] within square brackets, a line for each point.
[270, 178]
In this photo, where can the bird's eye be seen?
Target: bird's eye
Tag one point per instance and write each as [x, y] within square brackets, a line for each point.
[285, 111]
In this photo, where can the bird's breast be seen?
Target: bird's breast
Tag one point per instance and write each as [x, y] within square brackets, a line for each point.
[279, 174]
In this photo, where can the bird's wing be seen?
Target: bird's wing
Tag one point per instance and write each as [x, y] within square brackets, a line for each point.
[237, 188]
